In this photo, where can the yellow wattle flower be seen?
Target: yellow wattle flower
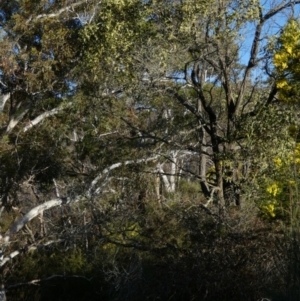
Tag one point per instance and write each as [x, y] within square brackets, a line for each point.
[273, 189]
[270, 208]
[281, 83]
[277, 162]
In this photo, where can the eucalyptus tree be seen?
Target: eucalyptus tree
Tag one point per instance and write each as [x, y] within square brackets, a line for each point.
[60, 135]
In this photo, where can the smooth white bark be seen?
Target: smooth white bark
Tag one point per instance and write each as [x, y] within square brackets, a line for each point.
[56, 14]
[3, 99]
[9, 257]
[164, 177]
[44, 115]
[114, 166]
[174, 159]
[15, 120]
[34, 212]
[12, 255]
[38, 210]
[169, 178]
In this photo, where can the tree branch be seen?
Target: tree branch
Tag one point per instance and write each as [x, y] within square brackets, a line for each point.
[44, 115]
[34, 212]
[59, 12]
[14, 120]
[9, 258]
[3, 99]
[20, 223]
[114, 166]
[37, 281]
[255, 46]
[12, 255]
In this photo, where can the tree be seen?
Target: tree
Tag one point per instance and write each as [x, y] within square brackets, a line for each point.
[147, 97]
[215, 91]
[42, 86]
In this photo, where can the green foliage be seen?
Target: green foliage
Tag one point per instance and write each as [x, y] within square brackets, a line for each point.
[46, 263]
[189, 187]
[107, 41]
[99, 87]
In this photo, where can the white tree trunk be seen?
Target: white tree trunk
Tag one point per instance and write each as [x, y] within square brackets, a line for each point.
[172, 181]
[164, 177]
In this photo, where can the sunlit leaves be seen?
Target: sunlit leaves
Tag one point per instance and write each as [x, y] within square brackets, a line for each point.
[117, 28]
[286, 61]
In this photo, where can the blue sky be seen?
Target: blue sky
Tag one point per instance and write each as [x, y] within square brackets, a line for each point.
[272, 27]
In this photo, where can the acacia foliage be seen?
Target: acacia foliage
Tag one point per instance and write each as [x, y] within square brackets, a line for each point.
[286, 59]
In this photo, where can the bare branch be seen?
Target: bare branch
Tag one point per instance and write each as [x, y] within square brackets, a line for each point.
[255, 46]
[37, 281]
[53, 15]
[34, 212]
[14, 120]
[20, 223]
[114, 166]
[9, 258]
[106, 134]
[44, 115]
[279, 8]
[3, 99]
[56, 189]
